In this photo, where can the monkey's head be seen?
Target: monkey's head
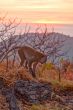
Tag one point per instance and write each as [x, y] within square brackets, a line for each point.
[43, 59]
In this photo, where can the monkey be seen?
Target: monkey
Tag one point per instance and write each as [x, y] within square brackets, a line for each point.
[31, 57]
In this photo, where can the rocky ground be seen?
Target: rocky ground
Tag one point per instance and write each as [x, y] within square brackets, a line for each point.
[31, 95]
[19, 91]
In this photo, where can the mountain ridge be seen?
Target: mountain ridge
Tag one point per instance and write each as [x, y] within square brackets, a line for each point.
[68, 44]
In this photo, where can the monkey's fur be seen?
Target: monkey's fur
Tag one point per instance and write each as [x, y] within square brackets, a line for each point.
[30, 56]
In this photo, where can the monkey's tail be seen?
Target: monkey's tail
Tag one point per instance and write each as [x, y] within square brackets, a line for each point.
[14, 48]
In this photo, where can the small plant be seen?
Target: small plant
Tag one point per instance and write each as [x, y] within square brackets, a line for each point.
[35, 107]
[48, 66]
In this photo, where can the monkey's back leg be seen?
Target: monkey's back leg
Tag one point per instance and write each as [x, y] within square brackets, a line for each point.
[22, 57]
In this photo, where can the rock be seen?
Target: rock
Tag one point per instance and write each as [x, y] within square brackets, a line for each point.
[33, 92]
[28, 91]
[10, 98]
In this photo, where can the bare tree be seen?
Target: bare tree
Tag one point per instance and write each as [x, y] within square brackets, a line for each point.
[7, 40]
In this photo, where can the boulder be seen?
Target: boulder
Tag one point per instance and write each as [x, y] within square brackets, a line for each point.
[33, 92]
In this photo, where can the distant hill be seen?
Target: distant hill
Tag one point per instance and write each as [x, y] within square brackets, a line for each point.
[68, 44]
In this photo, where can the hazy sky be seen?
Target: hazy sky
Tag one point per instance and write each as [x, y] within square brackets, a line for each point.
[39, 11]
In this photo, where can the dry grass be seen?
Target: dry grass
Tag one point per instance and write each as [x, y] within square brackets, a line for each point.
[14, 73]
[51, 106]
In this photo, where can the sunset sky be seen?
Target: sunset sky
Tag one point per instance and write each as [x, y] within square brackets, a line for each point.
[39, 11]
